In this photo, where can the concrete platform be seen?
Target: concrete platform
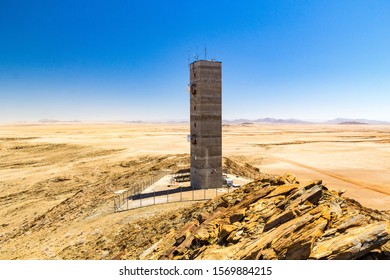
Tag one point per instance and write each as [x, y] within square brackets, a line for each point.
[163, 191]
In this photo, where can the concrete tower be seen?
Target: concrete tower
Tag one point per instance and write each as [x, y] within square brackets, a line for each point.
[206, 124]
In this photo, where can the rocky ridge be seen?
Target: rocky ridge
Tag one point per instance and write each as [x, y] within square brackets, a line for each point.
[278, 218]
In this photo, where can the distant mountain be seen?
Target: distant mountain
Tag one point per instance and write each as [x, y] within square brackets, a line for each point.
[134, 121]
[266, 120]
[296, 121]
[48, 121]
[355, 121]
[57, 121]
[272, 120]
[352, 123]
[236, 121]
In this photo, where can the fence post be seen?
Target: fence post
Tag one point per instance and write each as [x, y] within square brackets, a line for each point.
[167, 196]
[127, 199]
[154, 197]
[140, 200]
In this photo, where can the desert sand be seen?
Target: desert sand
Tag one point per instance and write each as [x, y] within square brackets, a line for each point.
[57, 181]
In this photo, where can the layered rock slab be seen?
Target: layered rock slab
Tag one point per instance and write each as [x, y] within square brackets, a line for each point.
[279, 218]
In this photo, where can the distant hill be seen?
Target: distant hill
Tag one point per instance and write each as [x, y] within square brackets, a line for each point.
[355, 121]
[272, 120]
[48, 121]
[236, 121]
[296, 121]
[57, 121]
[265, 120]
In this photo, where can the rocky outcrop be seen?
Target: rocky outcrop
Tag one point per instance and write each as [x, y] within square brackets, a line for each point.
[279, 218]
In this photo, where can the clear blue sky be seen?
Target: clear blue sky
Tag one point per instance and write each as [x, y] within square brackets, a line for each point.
[127, 60]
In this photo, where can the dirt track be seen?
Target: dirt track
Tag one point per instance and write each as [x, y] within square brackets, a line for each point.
[361, 184]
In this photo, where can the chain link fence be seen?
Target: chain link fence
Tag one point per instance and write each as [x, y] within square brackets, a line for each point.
[137, 197]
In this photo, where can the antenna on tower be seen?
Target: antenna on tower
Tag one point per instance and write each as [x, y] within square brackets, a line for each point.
[205, 53]
[196, 56]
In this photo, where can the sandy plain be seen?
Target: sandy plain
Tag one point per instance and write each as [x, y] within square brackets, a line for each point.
[57, 181]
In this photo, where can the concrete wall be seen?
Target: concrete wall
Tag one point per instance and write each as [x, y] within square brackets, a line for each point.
[206, 124]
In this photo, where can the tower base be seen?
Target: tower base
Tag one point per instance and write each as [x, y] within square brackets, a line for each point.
[205, 178]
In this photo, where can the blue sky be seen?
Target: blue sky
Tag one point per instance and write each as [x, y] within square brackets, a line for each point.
[127, 60]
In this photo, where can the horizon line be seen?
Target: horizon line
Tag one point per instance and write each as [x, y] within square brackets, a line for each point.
[239, 120]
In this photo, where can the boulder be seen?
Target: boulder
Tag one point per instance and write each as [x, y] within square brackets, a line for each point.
[354, 243]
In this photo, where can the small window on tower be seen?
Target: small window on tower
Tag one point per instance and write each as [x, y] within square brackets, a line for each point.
[195, 125]
[194, 108]
[194, 74]
[193, 89]
[193, 139]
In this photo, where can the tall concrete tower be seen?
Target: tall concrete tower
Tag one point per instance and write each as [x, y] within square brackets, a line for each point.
[206, 124]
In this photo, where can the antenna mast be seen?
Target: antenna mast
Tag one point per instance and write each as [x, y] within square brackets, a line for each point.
[196, 56]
